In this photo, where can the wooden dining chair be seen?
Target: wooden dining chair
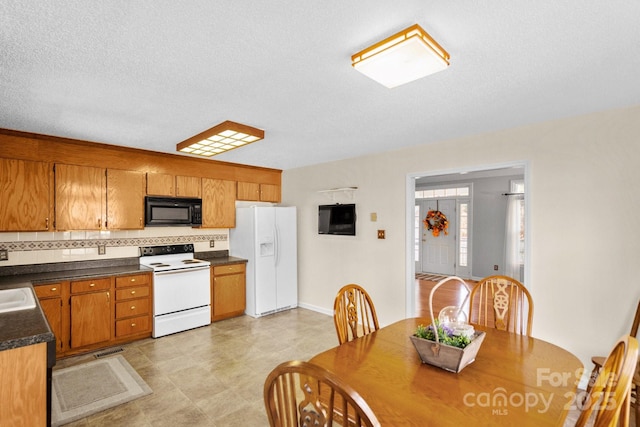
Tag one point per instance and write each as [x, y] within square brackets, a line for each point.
[598, 361]
[503, 303]
[300, 393]
[354, 314]
[608, 401]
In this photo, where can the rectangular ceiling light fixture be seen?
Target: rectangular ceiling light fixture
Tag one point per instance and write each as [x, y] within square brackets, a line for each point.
[402, 58]
[220, 138]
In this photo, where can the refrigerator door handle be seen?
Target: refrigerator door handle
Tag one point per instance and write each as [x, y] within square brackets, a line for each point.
[276, 249]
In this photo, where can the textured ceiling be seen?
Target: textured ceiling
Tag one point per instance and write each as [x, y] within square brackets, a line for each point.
[150, 74]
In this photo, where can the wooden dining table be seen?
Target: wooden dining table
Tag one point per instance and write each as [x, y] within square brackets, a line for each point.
[515, 380]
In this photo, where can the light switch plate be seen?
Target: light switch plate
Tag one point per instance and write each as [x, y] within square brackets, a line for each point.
[212, 243]
[102, 249]
[4, 255]
[380, 234]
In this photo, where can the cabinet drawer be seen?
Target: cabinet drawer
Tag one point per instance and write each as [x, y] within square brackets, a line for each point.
[90, 285]
[228, 269]
[132, 326]
[132, 308]
[135, 280]
[48, 291]
[131, 293]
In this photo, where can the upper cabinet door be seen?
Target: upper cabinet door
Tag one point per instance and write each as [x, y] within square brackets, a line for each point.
[248, 191]
[270, 193]
[258, 192]
[188, 186]
[218, 203]
[80, 197]
[25, 195]
[125, 200]
[160, 184]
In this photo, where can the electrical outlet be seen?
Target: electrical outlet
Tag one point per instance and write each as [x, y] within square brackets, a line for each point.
[380, 234]
[4, 254]
[212, 243]
[102, 249]
[495, 267]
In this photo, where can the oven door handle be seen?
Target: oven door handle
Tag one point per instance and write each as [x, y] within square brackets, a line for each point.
[182, 270]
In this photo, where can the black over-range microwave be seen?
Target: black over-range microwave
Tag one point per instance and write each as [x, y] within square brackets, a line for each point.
[172, 211]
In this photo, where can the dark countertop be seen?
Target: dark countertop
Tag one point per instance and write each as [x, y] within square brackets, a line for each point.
[215, 261]
[27, 327]
[56, 276]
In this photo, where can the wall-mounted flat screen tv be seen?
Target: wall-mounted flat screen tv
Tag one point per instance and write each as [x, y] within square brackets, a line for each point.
[337, 219]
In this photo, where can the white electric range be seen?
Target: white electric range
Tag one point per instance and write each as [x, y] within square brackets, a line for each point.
[181, 288]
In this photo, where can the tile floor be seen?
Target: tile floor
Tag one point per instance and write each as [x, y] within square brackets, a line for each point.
[213, 376]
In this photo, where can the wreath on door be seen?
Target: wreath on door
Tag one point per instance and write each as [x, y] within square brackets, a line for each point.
[436, 222]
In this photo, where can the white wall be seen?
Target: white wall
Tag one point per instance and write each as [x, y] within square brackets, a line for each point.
[584, 227]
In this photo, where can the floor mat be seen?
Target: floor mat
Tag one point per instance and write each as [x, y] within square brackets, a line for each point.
[82, 390]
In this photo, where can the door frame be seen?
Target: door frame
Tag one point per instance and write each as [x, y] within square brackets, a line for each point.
[409, 221]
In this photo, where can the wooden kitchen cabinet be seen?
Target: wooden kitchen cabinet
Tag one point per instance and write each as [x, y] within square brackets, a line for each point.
[218, 203]
[84, 315]
[80, 195]
[25, 199]
[160, 184]
[248, 191]
[90, 312]
[133, 309]
[56, 310]
[188, 186]
[254, 191]
[23, 389]
[270, 193]
[228, 291]
[125, 199]
[90, 198]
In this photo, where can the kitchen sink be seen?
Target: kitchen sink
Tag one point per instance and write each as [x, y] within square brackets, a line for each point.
[16, 299]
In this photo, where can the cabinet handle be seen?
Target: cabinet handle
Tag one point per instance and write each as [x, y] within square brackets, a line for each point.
[133, 325]
[92, 285]
[46, 225]
[99, 222]
[54, 289]
[133, 307]
[133, 292]
[133, 280]
[108, 297]
[141, 222]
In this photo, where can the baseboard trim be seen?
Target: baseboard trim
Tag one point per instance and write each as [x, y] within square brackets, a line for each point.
[315, 308]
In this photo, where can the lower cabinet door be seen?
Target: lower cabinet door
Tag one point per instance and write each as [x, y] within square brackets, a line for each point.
[52, 308]
[228, 296]
[90, 319]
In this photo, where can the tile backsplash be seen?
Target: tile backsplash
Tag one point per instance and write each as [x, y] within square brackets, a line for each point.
[47, 247]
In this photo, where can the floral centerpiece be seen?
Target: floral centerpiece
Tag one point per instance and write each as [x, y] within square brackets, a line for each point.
[447, 345]
[446, 334]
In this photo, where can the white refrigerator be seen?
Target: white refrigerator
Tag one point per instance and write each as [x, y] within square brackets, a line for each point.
[266, 237]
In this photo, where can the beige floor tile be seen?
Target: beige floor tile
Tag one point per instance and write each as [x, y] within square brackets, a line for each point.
[213, 376]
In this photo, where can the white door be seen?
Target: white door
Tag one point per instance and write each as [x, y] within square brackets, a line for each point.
[439, 253]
